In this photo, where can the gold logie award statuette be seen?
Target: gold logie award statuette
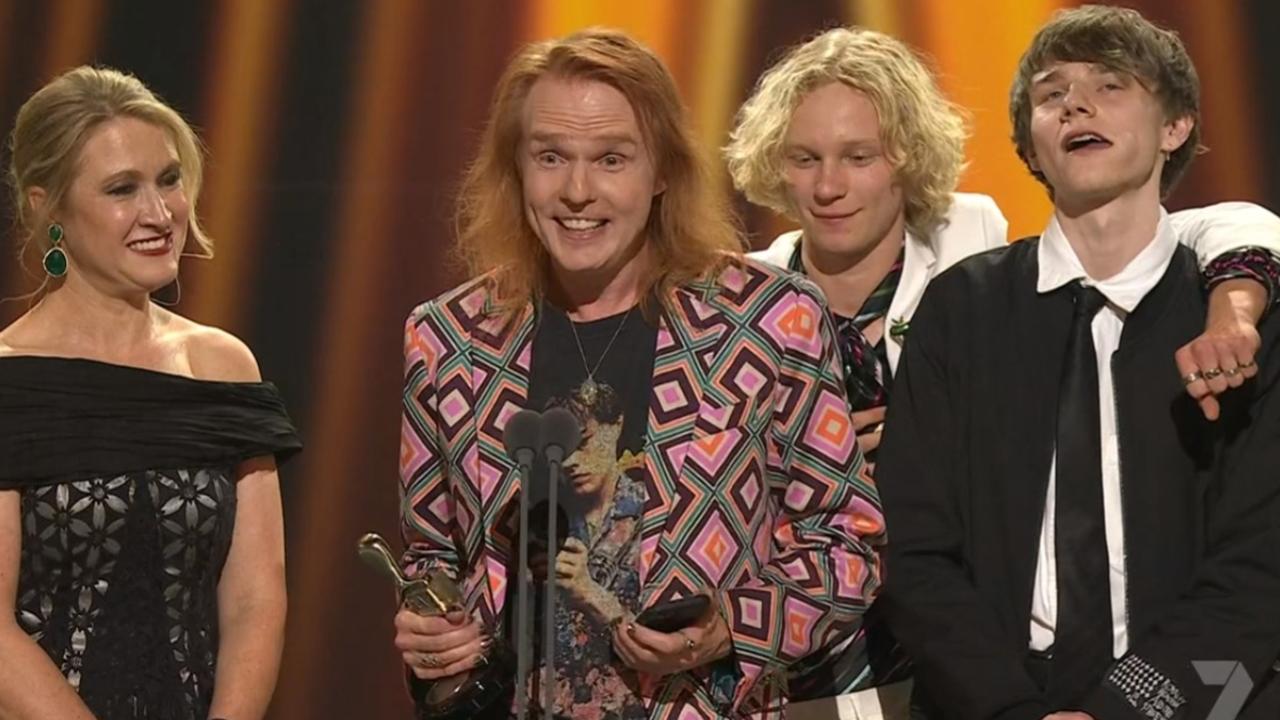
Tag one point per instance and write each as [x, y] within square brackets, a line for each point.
[479, 694]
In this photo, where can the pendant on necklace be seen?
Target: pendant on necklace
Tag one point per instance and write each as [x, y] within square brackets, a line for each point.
[589, 390]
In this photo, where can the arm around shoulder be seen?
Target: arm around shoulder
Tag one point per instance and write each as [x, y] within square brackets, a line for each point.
[1229, 610]
[976, 217]
[1215, 230]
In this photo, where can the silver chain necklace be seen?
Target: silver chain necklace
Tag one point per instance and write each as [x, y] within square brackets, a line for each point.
[590, 388]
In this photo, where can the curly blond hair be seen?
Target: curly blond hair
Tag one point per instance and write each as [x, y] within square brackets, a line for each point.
[923, 132]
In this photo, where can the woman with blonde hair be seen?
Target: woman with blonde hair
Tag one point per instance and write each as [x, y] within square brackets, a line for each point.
[141, 539]
[850, 136]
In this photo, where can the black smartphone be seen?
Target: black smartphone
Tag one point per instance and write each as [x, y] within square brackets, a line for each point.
[669, 617]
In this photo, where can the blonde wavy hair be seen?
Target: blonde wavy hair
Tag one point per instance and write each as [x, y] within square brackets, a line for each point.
[923, 132]
[52, 127]
[690, 228]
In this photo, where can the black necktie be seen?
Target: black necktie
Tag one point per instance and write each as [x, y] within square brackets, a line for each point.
[1082, 639]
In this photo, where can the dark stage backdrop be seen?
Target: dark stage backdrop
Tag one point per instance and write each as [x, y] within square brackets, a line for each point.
[337, 131]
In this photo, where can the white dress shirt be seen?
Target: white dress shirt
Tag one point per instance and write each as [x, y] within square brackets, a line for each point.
[974, 224]
[1059, 265]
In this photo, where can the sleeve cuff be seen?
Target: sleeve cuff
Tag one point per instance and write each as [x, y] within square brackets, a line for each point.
[1134, 688]
[739, 683]
[1252, 263]
[417, 689]
[722, 683]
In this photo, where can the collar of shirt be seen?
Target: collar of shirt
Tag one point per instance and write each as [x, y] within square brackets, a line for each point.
[877, 303]
[1059, 265]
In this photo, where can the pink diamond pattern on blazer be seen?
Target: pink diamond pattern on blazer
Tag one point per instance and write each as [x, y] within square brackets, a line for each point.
[757, 491]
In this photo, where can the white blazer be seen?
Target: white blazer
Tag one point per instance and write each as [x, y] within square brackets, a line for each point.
[975, 224]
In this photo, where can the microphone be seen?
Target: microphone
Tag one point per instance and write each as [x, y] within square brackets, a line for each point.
[522, 437]
[561, 435]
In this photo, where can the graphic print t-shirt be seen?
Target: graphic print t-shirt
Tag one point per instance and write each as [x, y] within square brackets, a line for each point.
[598, 577]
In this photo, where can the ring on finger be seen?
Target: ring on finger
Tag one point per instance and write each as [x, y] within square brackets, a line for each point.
[1192, 377]
[1231, 372]
[1212, 373]
[431, 661]
[1249, 364]
[689, 644]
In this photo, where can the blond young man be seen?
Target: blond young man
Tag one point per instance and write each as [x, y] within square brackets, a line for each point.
[850, 136]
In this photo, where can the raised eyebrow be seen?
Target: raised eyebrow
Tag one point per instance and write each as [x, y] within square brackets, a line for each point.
[1044, 78]
[621, 147]
[557, 138]
[615, 140]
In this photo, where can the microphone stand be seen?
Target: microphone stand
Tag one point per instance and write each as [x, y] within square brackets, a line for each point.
[549, 619]
[523, 440]
[561, 435]
[524, 650]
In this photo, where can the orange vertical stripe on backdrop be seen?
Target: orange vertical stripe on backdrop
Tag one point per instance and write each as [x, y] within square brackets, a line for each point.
[652, 22]
[7, 34]
[713, 96]
[976, 54]
[365, 225]
[12, 273]
[1218, 42]
[75, 26]
[881, 15]
[246, 54]
[73, 37]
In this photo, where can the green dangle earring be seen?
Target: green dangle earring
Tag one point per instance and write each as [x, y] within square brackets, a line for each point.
[55, 260]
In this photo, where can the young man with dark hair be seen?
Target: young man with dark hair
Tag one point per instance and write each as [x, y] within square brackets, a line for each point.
[849, 135]
[1069, 533]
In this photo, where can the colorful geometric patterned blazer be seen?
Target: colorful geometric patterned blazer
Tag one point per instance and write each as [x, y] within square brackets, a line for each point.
[757, 489]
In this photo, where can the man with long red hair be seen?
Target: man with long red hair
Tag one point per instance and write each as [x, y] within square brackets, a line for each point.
[607, 276]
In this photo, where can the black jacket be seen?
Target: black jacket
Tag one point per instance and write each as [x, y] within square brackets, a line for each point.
[964, 469]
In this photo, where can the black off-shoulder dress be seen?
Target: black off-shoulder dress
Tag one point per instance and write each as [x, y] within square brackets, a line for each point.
[127, 479]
